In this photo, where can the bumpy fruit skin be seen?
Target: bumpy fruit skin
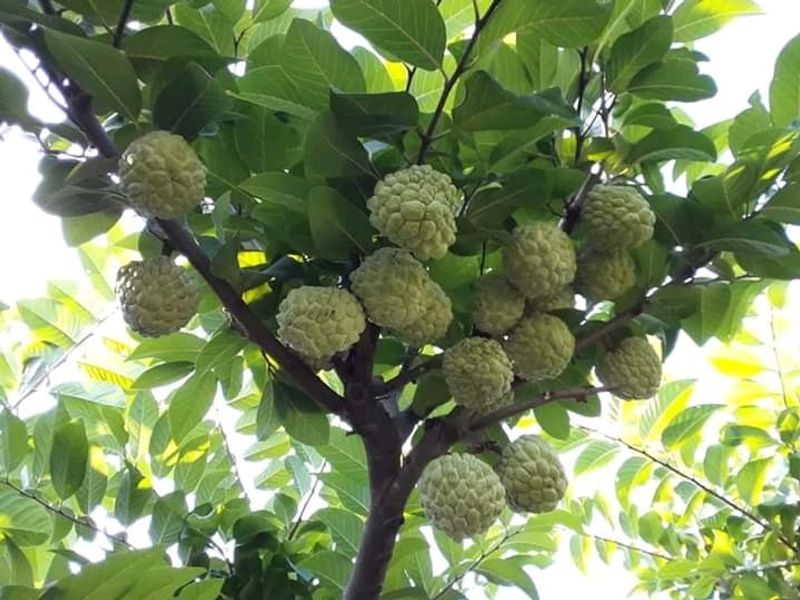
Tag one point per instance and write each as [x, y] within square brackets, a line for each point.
[605, 276]
[415, 208]
[633, 369]
[561, 300]
[540, 260]
[478, 373]
[461, 495]
[532, 475]
[390, 284]
[616, 217]
[157, 297]
[540, 346]
[498, 305]
[318, 322]
[161, 176]
[435, 316]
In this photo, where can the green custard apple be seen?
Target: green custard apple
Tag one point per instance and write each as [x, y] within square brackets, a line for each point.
[633, 369]
[616, 217]
[478, 373]
[532, 475]
[605, 276]
[498, 304]
[540, 260]
[540, 346]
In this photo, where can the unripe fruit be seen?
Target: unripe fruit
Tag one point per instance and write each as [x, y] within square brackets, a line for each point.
[157, 297]
[161, 176]
[415, 208]
[540, 346]
[478, 373]
[605, 276]
[498, 305]
[633, 370]
[540, 260]
[318, 322]
[532, 475]
[436, 313]
[391, 284]
[561, 300]
[461, 495]
[616, 217]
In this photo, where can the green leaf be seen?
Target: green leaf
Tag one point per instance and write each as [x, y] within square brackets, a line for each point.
[163, 374]
[176, 347]
[568, 23]
[208, 23]
[219, 351]
[208, 589]
[332, 568]
[554, 419]
[69, 457]
[189, 404]
[302, 418]
[784, 91]
[345, 527]
[695, 19]
[677, 143]
[688, 424]
[595, 455]
[101, 70]
[330, 151]
[673, 80]
[753, 237]
[155, 46]
[704, 323]
[315, 62]
[339, 229]
[189, 102]
[167, 521]
[346, 455]
[751, 479]
[265, 10]
[79, 230]
[24, 520]
[13, 100]
[507, 571]
[375, 115]
[784, 206]
[412, 30]
[13, 441]
[638, 49]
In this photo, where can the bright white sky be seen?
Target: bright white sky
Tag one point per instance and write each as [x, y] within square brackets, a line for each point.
[33, 252]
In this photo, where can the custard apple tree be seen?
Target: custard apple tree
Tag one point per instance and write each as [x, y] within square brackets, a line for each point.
[356, 309]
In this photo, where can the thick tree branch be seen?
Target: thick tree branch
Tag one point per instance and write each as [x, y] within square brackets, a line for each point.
[574, 206]
[461, 68]
[124, 15]
[81, 113]
[765, 525]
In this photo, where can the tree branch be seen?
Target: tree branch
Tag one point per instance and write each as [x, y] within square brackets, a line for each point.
[123, 21]
[516, 408]
[82, 521]
[406, 376]
[575, 205]
[697, 483]
[461, 68]
[618, 322]
[626, 545]
[82, 114]
[583, 80]
[311, 493]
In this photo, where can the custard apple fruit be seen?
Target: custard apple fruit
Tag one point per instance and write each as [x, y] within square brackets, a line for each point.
[498, 305]
[540, 260]
[561, 300]
[605, 276]
[478, 373]
[317, 322]
[436, 313]
[390, 284]
[540, 346]
[161, 176]
[532, 475]
[461, 495]
[633, 369]
[157, 297]
[616, 217]
[415, 208]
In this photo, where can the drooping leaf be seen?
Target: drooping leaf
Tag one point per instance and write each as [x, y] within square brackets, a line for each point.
[784, 91]
[69, 456]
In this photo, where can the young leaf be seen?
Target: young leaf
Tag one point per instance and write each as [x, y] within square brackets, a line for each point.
[69, 456]
[695, 19]
[784, 91]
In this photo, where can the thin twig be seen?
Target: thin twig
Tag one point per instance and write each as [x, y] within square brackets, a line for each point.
[312, 492]
[61, 360]
[583, 80]
[621, 544]
[124, 14]
[697, 483]
[776, 354]
[231, 456]
[408, 375]
[449, 84]
[57, 510]
[618, 322]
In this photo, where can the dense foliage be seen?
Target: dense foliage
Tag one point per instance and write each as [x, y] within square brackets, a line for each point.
[269, 449]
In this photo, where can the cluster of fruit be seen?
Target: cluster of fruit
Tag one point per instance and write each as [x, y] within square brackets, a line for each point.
[517, 336]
